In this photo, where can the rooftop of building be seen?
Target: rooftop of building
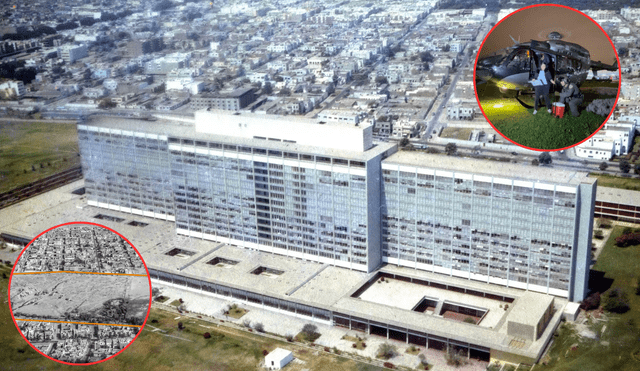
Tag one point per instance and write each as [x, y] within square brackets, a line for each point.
[310, 283]
[618, 196]
[520, 171]
[184, 127]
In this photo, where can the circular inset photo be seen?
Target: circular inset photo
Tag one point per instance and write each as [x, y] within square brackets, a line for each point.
[547, 77]
[79, 293]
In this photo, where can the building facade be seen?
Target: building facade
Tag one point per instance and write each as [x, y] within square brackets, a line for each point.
[324, 192]
[455, 219]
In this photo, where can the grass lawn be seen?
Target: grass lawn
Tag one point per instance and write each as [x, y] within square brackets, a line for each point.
[27, 144]
[541, 131]
[237, 312]
[175, 303]
[605, 180]
[456, 133]
[360, 343]
[304, 337]
[620, 340]
[227, 349]
[161, 299]
[413, 350]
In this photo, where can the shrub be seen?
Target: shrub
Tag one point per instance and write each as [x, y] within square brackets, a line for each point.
[207, 335]
[326, 349]
[310, 332]
[591, 302]
[246, 323]
[616, 301]
[289, 338]
[454, 358]
[386, 351]
[469, 320]
[354, 345]
[389, 365]
[154, 321]
[598, 234]
[259, 327]
[265, 352]
[628, 239]
[638, 286]
[180, 326]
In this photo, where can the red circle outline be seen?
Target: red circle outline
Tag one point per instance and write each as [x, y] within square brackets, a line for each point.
[121, 350]
[603, 122]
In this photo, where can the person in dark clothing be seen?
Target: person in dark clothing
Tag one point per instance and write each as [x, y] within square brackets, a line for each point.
[542, 86]
[571, 96]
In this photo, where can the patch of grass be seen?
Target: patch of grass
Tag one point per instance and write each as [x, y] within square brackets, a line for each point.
[413, 350]
[541, 131]
[456, 133]
[237, 312]
[162, 299]
[605, 180]
[27, 144]
[360, 343]
[175, 303]
[230, 350]
[304, 337]
[615, 349]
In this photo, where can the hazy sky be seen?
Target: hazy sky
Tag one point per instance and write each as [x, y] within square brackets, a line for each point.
[536, 23]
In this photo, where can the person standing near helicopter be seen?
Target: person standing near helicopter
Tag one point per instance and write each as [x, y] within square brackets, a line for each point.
[542, 85]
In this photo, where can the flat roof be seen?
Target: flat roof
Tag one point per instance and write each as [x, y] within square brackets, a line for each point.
[618, 196]
[310, 283]
[184, 128]
[529, 308]
[519, 171]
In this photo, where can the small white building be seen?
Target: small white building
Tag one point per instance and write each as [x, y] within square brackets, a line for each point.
[278, 359]
[615, 139]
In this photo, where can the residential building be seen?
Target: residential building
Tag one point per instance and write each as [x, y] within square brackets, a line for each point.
[13, 88]
[231, 101]
[71, 53]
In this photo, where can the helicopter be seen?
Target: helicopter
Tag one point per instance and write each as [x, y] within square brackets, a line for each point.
[513, 68]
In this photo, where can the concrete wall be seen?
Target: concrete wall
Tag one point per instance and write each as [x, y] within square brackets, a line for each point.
[521, 330]
[302, 131]
[581, 259]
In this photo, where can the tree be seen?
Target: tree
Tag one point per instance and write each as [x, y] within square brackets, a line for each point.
[624, 166]
[638, 286]
[591, 302]
[603, 166]
[207, 335]
[451, 149]
[455, 358]
[386, 351]
[310, 332]
[636, 169]
[381, 80]
[535, 162]
[423, 359]
[616, 301]
[404, 142]
[623, 52]
[180, 326]
[545, 158]
[267, 89]
[284, 92]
